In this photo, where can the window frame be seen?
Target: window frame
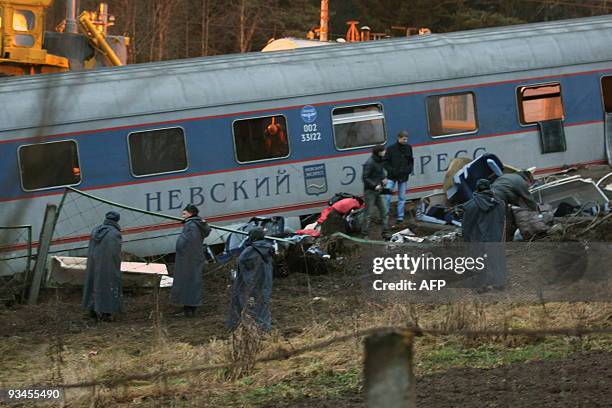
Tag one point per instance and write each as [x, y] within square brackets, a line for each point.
[26, 10]
[152, 130]
[261, 160]
[382, 110]
[78, 153]
[452, 134]
[519, 106]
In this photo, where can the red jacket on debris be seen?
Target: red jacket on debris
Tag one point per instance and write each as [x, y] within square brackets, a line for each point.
[343, 206]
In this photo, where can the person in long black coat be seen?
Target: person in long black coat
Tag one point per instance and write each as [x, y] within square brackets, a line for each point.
[483, 226]
[103, 291]
[189, 263]
[484, 215]
[253, 280]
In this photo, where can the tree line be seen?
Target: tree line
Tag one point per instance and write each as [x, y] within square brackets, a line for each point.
[173, 29]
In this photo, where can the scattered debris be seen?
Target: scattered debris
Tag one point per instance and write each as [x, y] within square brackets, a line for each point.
[486, 166]
[582, 194]
[70, 271]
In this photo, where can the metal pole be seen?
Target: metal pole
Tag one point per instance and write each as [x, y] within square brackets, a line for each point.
[103, 17]
[389, 379]
[323, 34]
[71, 24]
[44, 242]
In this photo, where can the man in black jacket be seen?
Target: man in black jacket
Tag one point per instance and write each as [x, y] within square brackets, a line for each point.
[399, 163]
[374, 180]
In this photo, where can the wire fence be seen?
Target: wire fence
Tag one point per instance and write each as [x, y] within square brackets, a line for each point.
[15, 261]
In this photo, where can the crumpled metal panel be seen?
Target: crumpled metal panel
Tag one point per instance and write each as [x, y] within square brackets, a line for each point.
[571, 190]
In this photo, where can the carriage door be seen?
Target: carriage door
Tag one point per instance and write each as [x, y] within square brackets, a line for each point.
[606, 91]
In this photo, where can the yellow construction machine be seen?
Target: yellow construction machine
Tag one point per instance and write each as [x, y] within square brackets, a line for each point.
[26, 49]
[21, 39]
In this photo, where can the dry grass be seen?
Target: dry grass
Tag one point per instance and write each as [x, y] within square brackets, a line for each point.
[108, 351]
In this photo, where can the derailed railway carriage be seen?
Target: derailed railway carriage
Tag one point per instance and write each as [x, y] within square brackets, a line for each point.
[278, 133]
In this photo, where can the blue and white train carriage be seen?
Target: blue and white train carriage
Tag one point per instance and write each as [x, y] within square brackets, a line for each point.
[278, 133]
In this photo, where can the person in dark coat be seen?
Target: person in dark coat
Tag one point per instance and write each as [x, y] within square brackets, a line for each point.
[374, 181]
[513, 189]
[484, 226]
[189, 263]
[253, 281]
[399, 163]
[102, 292]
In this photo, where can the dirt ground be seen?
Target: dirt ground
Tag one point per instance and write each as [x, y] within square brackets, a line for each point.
[542, 384]
[54, 342]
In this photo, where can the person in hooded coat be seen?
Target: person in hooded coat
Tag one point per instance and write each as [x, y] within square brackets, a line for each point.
[253, 280]
[102, 292]
[483, 225]
[484, 215]
[189, 262]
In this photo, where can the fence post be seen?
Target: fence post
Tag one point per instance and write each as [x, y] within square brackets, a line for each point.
[389, 380]
[44, 242]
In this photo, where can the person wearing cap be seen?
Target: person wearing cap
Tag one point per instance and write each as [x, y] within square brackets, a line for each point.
[189, 262]
[399, 164]
[374, 181]
[513, 189]
[103, 291]
[253, 281]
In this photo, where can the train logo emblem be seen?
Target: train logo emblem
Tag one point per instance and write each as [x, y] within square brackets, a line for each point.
[308, 114]
[315, 179]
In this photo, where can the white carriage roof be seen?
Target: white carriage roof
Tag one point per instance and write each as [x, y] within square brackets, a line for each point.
[183, 85]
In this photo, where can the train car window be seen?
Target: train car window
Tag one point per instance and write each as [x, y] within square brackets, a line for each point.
[358, 126]
[157, 151]
[261, 139]
[540, 103]
[606, 89]
[49, 165]
[451, 114]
